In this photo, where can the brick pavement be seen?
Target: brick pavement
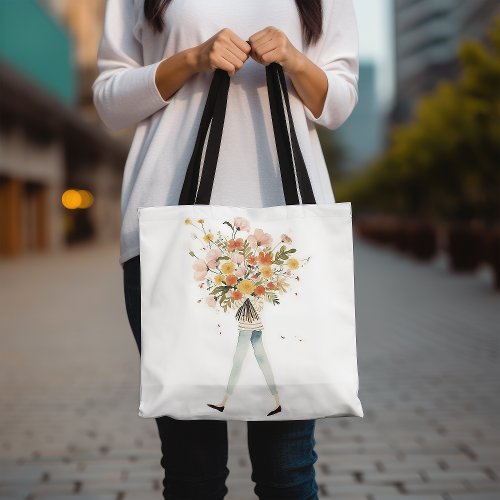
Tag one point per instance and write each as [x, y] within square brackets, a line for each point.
[428, 345]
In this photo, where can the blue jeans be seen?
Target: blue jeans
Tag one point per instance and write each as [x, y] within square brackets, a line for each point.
[195, 452]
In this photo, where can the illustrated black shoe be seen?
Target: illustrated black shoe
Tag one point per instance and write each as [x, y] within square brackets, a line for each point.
[220, 408]
[277, 410]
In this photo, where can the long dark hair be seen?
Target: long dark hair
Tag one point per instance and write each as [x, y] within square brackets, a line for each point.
[310, 11]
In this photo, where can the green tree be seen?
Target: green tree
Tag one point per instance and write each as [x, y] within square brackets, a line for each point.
[446, 162]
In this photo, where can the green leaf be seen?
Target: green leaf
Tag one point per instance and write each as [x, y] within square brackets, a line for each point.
[246, 249]
[272, 297]
[228, 224]
[225, 302]
[220, 289]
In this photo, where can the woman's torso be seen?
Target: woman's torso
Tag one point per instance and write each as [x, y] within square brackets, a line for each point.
[247, 169]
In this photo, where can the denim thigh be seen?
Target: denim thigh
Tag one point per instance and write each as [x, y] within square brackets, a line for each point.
[194, 452]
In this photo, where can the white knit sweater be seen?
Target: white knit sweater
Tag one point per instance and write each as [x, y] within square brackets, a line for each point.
[248, 174]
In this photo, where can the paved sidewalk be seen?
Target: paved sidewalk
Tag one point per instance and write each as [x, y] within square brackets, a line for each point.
[428, 345]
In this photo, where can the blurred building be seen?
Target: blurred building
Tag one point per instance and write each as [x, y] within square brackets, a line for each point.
[360, 137]
[84, 21]
[428, 34]
[47, 146]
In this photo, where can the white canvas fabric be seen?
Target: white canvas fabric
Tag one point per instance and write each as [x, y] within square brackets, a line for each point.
[188, 345]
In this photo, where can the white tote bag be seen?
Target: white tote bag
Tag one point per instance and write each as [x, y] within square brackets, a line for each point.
[247, 313]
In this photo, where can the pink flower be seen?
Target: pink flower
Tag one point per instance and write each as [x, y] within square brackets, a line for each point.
[237, 258]
[210, 300]
[285, 238]
[240, 272]
[200, 270]
[241, 224]
[259, 238]
[213, 258]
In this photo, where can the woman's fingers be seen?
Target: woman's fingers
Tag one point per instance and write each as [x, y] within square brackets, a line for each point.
[272, 45]
[225, 50]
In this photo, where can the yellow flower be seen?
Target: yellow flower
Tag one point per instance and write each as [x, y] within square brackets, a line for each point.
[228, 267]
[187, 221]
[201, 221]
[219, 278]
[266, 271]
[208, 237]
[293, 263]
[246, 286]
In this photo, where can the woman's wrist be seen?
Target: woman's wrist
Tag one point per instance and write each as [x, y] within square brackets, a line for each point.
[173, 72]
[192, 56]
[297, 65]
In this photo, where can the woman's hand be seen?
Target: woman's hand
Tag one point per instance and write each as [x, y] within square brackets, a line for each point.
[309, 80]
[225, 50]
[272, 45]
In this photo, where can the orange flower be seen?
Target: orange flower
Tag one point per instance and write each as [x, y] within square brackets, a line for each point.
[271, 286]
[235, 244]
[231, 280]
[265, 258]
[251, 260]
[259, 290]
[236, 295]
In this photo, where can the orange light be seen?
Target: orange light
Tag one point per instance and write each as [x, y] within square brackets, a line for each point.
[77, 198]
[71, 199]
[87, 198]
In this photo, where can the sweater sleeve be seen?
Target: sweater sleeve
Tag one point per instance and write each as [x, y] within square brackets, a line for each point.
[336, 53]
[124, 91]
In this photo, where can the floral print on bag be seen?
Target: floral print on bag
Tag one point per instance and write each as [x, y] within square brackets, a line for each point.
[243, 265]
[241, 269]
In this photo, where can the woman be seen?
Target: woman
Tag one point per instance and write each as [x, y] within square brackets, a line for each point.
[156, 60]
[248, 311]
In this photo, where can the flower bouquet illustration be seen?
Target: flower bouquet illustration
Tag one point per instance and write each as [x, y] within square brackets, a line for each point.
[241, 269]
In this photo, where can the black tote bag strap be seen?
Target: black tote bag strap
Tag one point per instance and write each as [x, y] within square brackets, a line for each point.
[306, 190]
[190, 185]
[281, 137]
[213, 144]
[292, 166]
